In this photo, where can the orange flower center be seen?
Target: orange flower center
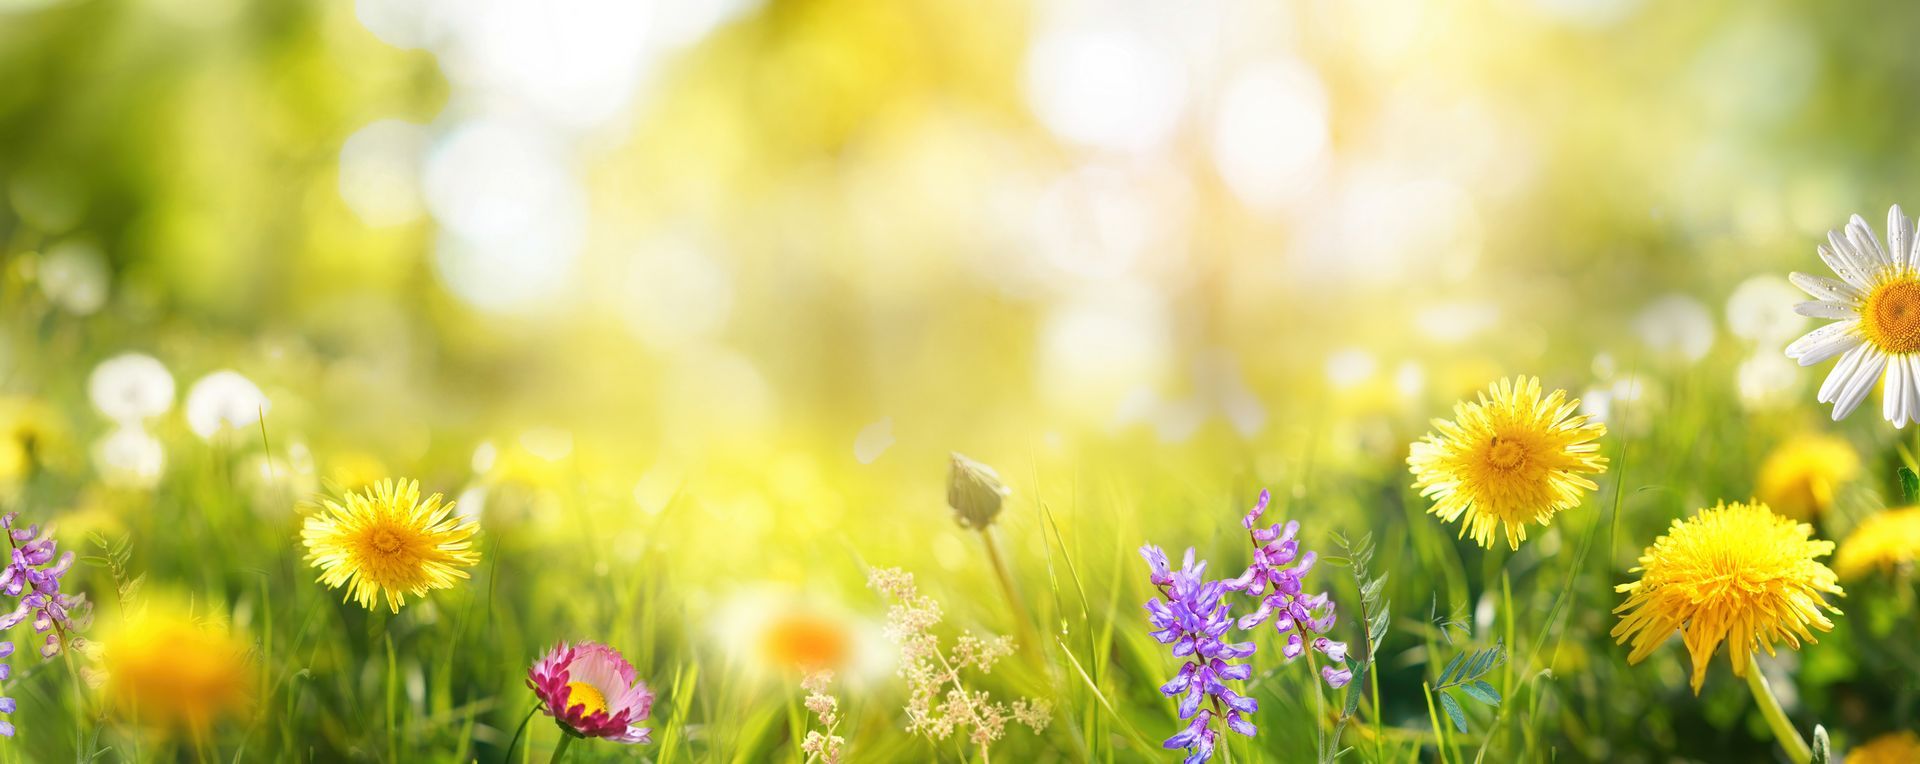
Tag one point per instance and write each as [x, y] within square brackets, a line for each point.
[1891, 317]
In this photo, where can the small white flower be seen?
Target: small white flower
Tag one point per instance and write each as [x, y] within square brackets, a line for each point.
[130, 457]
[1754, 314]
[224, 399]
[74, 276]
[1676, 326]
[131, 387]
[1875, 307]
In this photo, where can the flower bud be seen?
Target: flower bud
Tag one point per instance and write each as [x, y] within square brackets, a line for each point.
[975, 493]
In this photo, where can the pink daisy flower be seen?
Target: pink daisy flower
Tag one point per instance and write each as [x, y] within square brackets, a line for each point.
[592, 692]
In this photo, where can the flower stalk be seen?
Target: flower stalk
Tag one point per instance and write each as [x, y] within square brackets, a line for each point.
[1783, 729]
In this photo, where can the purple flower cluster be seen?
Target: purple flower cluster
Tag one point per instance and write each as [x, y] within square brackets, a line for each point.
[1193, 616]
[1302, 617]
[32, 574]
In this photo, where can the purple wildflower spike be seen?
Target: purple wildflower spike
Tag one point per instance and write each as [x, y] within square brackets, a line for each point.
[32, 573]
[1275, 577]
[1193, 616]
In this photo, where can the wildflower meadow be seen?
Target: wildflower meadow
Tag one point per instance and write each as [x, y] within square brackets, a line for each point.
[1018, 381]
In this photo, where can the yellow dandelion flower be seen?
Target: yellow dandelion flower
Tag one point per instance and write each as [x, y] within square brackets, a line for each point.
[1882, 542]
[1799, 478]
[1510, 458]
[1891, 748]
[386, 540]
[31, 435]
[169, 668]
[354, 470]
[1736, 573]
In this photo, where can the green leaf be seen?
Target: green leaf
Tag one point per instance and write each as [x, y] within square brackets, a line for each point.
[1481, 691]
[1909, 485]
[1359, 670]
[1371, 591]
[1454, 712]
[1377, 626]
[1483, 661]
[1448, 671]
[1823, 747]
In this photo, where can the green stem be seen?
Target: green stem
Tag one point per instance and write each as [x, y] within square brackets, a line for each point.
[1433, 717]
[1783, 729]
[560, 751]
[1029, 640]
[518, 731]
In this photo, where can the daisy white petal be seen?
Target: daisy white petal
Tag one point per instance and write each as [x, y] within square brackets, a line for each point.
[1825, 342]
[1842, 371]
[1827, 309]
[1858, 264]
[1860, 384]
[1913, 388]
[1867, 242]
[1823, 288]
[1841, 262]
[1899, 236]
[1893, 398]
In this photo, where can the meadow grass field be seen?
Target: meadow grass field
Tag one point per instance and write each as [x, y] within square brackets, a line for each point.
[991, 381]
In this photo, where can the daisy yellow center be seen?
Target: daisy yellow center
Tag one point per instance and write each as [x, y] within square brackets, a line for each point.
[1891, 316]
[583, 694]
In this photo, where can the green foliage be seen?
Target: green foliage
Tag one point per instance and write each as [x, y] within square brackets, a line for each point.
[1464, 675]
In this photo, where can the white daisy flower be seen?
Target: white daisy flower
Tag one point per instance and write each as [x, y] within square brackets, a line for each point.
[1875, 307]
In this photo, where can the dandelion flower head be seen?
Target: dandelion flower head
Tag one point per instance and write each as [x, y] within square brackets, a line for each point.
[1510, 458]
[1883, 541]
[1736, 573]
[1800, 477]
[385, 540]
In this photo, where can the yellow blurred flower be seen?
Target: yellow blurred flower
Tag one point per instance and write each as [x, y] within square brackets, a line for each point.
[1736, 573]
[354, 470]
[386, 540]
[1799, 477]
[1510, 458]
[1891, 748]
[31, 435]
[1883, 541]
[167, 667]
[806, 641]
[779, 631]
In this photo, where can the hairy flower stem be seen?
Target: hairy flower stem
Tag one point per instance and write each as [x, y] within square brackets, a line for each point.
[1029, 640]
[1319, 698]
[560, 751]
[1790, 739]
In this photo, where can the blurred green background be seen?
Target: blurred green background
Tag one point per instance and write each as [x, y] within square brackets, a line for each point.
[686, 302]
